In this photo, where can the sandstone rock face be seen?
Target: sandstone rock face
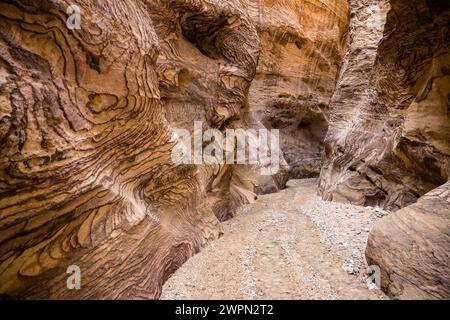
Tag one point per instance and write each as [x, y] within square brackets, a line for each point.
[86, 176]
[303, 43]
[389, 139]
[87, 122]
[388, 142]
[411, 247]
[205, 66]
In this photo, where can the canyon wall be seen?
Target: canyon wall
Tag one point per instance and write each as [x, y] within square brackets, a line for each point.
[388, 142]
[206, 62]
[86, 176]
[88, 120]
[303, 43]
[87, 123]
[411, 247]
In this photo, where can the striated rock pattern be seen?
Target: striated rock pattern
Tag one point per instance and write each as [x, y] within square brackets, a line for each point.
[86, 176]
[303, 43]
[411, 247]
[205, 66]
[88, 116]
[389, 137]
[87, 121]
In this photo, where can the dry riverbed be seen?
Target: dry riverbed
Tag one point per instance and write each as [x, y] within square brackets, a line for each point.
[289, 245]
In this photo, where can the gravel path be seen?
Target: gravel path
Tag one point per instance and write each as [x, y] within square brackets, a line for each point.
[289, 245]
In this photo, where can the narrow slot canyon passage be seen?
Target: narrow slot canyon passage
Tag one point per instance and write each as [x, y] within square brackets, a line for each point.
[288, 245]
[134, 149]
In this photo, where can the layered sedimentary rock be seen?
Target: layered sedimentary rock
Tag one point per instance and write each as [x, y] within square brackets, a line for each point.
[411, 247]
[88, 116]
[303, 43]
[87, 122]
[388, 142]
[206, 63]
[86, 176]
[389, 139]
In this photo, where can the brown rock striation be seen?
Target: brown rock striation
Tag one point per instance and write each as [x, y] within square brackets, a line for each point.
[388, 142]
[88, 120]
[86, 176]
[87, 124]
[411, 247]
[303, 43]
[389, 139]
[205, 66]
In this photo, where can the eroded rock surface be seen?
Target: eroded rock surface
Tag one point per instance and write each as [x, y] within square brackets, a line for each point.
[86, 176]
[206, 64]
[389, 139]
[87, 122]
[411, 247]
[87, 125]
[388, 142]
[303, 43]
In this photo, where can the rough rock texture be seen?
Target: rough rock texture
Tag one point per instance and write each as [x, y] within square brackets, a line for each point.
[86, 176]
[205, 66]
[389, 139]
[388, 142]
[86, 131]
[412, 246]
[303, 43]
[87, 122]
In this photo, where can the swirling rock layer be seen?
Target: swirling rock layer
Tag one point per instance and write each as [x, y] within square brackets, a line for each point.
[86, 176]
[86, 130]
[389, 139]
[87, 122]
[388, 142]
[303, 43]
[411, 247]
